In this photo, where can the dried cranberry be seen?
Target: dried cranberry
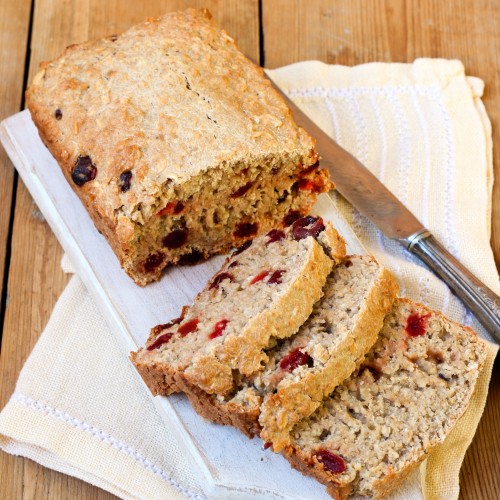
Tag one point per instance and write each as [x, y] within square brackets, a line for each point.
[267, 445]
[242, 190]
[295, 358]
[276, 277]
[416, 325]
[305, 185]
[58, 114]
[172, 208]
[307, 226]
[176, 238]
[191, 258]
[162, 339]
[259, 277]
[233, 264]
[153, 261]
[245, 229]
[332, 462]
[188, 327]
[158, 328]
[291, 217]
[243, 247]
[275, 235]
[219, 279]
[124, 181]
[219, 328]
[83, 171]
[348, 263]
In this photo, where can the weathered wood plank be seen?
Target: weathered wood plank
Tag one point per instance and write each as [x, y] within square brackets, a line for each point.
[14, 26]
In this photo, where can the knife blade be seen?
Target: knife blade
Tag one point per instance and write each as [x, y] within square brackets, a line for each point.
[368, 195]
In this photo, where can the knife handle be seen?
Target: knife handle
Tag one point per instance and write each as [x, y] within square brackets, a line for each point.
[482, 302]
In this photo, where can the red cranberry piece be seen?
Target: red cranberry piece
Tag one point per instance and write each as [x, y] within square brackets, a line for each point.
[242, 248]
[233, 264]
[188, 327]
[176, 238]
[58, 114]
[172, 208]
[162, 339]
[246, 229]
[219, 279]
[191, 258]
[153, 261]
[83, 171]
[274, 235]
[124, 181]
[242, 190]
[276, 277]
[219, 328]
[307, 226]
[158, 328]
[291, 217]
[332, 462]
[348, 263]
[259, 277]
[416, 325]
[267, 445]
[305, 185]
[295, 358]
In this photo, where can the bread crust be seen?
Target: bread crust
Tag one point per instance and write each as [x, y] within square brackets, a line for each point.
[309, 465]
[297, 400]
[149, 103]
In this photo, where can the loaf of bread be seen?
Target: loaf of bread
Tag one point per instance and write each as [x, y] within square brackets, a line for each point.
[264, 292]
[384, 420]
[303, 370]
[176, 143]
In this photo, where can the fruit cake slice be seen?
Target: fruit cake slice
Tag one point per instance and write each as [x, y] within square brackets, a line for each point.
[265, 291]
[304, 369]
[175, 142]
[384, 420]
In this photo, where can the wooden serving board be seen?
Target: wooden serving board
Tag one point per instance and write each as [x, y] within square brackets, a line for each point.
[232, 465]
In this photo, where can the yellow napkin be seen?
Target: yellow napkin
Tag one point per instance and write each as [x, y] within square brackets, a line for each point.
[79, 406]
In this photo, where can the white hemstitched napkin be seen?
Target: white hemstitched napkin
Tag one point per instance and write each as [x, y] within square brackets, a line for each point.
[421, 128]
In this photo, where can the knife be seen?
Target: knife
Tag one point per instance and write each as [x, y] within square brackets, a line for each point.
[368, 195]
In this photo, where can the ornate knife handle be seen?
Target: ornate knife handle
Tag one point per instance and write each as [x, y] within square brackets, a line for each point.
[483, 303]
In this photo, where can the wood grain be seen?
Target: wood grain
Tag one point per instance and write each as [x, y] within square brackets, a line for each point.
[341, 31]
[354, 32]
[14, 25]
[36, 280]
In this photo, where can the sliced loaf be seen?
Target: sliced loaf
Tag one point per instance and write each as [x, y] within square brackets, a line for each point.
[265, 291]
[304, 369]
[381, 423]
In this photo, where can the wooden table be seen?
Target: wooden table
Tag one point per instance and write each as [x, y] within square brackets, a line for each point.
[272, 33]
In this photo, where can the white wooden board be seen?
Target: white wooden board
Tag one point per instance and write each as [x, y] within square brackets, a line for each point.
[234, 467]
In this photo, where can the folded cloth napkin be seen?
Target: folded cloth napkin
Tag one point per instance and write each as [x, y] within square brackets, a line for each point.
[80, 408]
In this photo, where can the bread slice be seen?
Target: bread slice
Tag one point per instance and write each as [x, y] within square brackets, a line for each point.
[175, 142]
[304, 369]
[264, 292]
[382, 422]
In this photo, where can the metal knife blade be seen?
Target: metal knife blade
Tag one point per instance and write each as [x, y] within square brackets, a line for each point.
[358, 185]
[365, 192]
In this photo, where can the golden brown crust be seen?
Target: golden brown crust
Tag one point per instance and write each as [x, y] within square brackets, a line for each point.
[246, 419]
[245, 352]
[295, 401]
[165, 102]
